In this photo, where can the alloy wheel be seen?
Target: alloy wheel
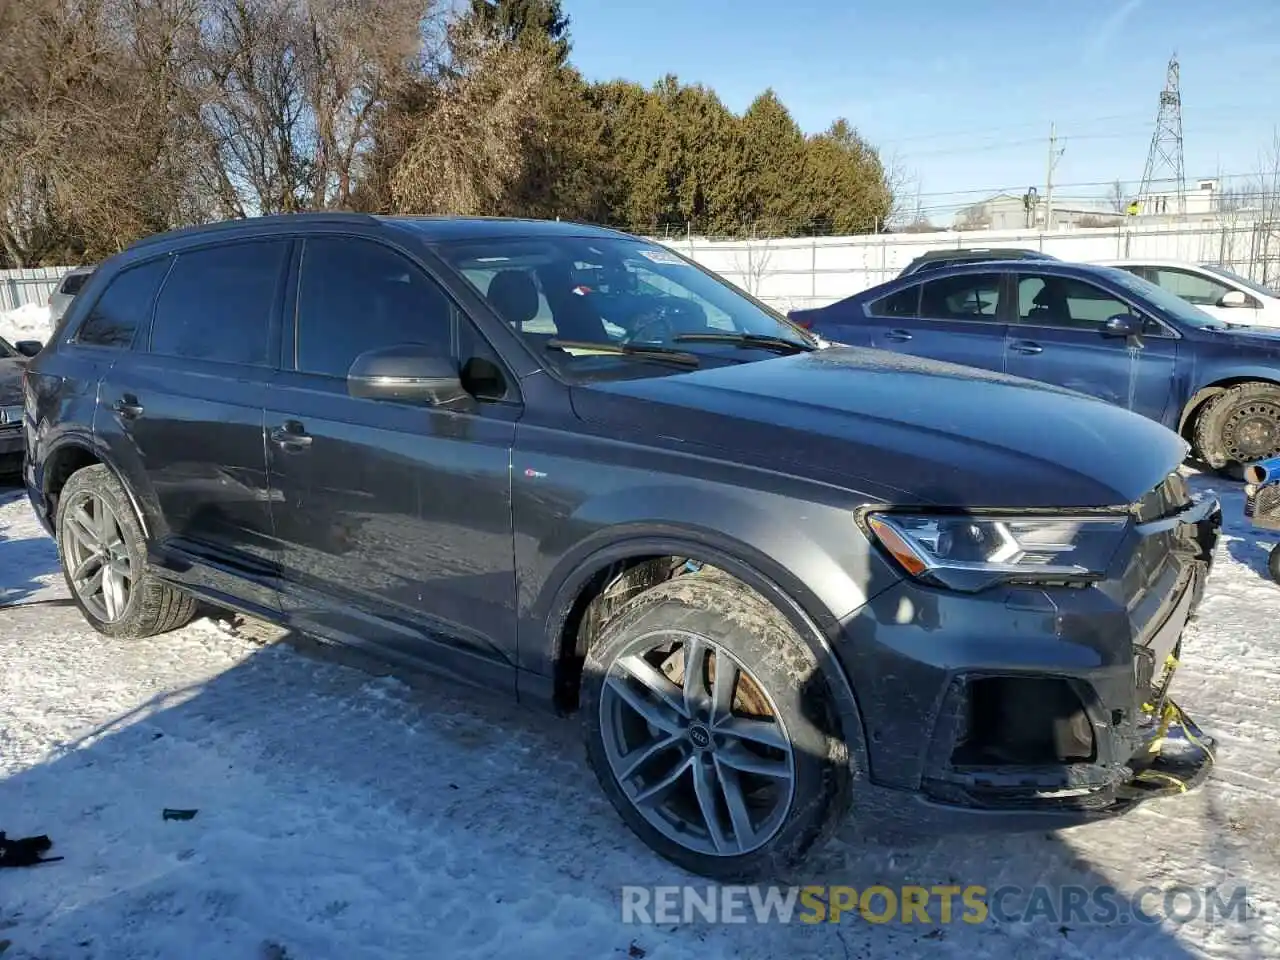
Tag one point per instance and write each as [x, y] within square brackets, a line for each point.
[696, 744]
[96, 557]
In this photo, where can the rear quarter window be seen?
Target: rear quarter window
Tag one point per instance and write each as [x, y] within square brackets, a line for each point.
[901, 303]
[124, 306]
[72, 283]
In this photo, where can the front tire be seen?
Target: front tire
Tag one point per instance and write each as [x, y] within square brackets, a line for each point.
[734, 769]
[104, 560]
[1238, 427]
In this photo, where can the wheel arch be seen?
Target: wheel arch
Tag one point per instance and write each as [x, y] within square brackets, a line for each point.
[1200, 399]
[569, 618]
[68, 457]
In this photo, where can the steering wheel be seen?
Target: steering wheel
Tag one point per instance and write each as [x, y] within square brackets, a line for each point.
[654, 319]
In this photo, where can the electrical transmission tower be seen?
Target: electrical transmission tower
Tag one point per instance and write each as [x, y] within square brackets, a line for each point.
[1164, 159]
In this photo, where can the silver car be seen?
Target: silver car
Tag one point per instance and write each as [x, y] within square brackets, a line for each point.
[68, 287]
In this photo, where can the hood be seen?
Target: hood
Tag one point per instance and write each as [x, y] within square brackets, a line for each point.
[1263, 337]
[900, 428]
[11, 381]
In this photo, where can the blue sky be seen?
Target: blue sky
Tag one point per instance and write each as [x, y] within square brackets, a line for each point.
[962, 92]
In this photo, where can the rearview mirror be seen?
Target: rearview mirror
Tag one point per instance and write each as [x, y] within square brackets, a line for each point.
[1122, 325]
[1234, 298]
[28, 348]
[408, 373]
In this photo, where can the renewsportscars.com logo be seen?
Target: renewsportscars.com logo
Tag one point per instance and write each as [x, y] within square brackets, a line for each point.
[941, 904]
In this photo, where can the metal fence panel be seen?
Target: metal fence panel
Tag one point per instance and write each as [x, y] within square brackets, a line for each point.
[33, 285]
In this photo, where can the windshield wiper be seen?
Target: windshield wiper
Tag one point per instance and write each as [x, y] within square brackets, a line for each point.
[761, 340]
[660, 354]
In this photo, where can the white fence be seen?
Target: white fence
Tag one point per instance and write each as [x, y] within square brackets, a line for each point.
[808, 272]
[820, 270]
[20, 287]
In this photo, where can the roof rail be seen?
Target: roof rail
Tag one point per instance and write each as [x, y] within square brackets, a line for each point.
[231, 225]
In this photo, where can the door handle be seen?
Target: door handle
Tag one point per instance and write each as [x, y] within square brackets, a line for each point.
[291, 435]
[128, 407]
[899, 336]
[1025, 346]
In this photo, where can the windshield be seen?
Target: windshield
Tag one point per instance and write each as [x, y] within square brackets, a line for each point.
[1243, 281]
[563, 294]
[1168, 303]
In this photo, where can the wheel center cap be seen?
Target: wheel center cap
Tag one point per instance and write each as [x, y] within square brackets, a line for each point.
[700, 737]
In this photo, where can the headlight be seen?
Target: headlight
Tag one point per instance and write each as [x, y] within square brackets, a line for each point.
[10, 415]
[970, 553]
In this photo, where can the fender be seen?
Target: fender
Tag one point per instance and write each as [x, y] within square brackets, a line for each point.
[814, 550]
[757, 571]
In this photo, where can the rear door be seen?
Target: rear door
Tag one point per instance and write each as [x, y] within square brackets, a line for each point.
[958, 318]
[182, 413]
[1058, 338]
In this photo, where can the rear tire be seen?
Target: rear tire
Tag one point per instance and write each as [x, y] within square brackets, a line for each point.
[1238, 427]
[103, 554]
[739, 793]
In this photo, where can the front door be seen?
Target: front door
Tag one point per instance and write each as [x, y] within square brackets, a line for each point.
[1058, 339]
[394, 518]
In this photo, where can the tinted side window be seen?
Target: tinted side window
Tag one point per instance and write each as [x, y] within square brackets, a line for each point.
[356, 296]
[1066, 302]
[903, 303]
[970, 296]
[73, 282]
[124, 306]
[218, 301]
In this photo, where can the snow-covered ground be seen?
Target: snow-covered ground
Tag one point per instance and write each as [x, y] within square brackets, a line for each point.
[28, 322]
[346, 815]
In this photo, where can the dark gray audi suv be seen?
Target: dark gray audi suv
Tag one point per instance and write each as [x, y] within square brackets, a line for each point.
[776, 580]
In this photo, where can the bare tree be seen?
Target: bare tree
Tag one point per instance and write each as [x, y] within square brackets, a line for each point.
[975, 217]
[359, 52]
[1268, 204]
[752, 263]
[466, 146]
[1116, 198]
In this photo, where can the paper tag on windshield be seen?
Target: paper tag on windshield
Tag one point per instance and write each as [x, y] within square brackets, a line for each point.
[662, 256]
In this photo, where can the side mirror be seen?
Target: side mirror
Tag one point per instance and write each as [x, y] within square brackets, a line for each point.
[409, 373]
[28, 348]
[1122, 325]
[1234, 298]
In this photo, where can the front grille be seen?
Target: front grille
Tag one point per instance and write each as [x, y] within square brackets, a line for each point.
[1262, 505]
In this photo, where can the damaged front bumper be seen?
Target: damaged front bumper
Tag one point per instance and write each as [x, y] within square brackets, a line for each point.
[1048, 705]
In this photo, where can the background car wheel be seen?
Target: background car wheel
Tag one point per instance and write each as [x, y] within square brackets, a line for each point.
[104, 561]
[1239, 427]
[712, 730]
[1273, 563]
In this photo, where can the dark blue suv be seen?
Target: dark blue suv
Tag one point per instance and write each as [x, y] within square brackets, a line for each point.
[1098, 330]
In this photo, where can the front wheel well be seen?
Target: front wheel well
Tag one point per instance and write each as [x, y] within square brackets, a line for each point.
[1197, 404]
[598, 600]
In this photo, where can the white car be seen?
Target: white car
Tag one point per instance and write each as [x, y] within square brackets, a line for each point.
[1215, 290]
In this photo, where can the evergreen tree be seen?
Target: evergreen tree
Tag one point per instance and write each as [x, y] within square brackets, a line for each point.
[773, 161]
[519, 20]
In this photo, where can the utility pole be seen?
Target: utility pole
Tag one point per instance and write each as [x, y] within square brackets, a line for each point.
[1054, 154]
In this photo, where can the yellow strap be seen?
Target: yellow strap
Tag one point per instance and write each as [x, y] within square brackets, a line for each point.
[1157, 776]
